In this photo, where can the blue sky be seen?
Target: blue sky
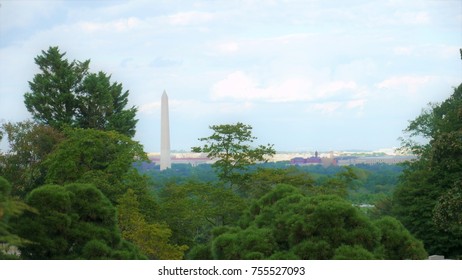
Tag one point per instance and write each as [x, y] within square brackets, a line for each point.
[307, 75]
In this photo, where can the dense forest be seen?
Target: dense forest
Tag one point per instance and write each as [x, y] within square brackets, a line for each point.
[75, 185]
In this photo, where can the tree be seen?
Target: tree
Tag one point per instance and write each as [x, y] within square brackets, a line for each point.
[287, 224]
[193, 208]
[101, 105]
[74, 221]
[339, 184]
[355, 252]
[29, 145]
[427, 199]
[448, 210]
[230, 144]
[397, 242]
[264, 180]
[151, 238]
[52, 99]
[65, 94]
[9, 208]
[103, 158]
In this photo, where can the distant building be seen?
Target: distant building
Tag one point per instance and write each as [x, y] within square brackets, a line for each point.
[316, 160]
[193, 160]
[342, 161]
[298, 161]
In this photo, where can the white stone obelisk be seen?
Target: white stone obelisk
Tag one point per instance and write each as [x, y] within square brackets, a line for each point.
[165, 160]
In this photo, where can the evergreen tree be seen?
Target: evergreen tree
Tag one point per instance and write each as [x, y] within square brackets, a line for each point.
[75, 221]
[66, 94]
[287, 224]
[52, 99]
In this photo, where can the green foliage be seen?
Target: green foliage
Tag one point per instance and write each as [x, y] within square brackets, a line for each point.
[96, 250]
[288, 224]
[348, 252]
[52, 98]
[230, 144]
[397, 242]
[263, 180]
[103, 158]
[200, 252]
[9, 208]
[192, 209]
[341, 182]
[101, 105]
[29, 145]
[250, 243]
[65, 94]
[448, 210]
[427, 200]
[73, 222]
[152, 239]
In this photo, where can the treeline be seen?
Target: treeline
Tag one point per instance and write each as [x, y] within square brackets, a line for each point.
[374, 183]
[71, 187]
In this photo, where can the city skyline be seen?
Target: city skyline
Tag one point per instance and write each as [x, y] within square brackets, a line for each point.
[306, 75]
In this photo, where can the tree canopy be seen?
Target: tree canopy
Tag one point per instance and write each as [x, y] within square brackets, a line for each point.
[231, 146]
[9, 208]
[427, 199]
[74, 221]
[92, 156]
[286, 224]
[29, 145]
[66, 94]
[151, 238]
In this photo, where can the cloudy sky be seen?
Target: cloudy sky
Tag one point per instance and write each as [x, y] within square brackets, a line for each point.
[307, 75]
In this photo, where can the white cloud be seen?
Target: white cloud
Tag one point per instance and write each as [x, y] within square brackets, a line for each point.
[119, 25]
[328, 108]
[240, 86]
[190, 108]
[410, 83]
[229, 47]
[357, 103]
[189, 18]
[403, 50]
[337, 108]
[413, 18]
[22, 14]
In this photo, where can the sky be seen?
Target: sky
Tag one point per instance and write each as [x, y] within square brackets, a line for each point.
[306, 75]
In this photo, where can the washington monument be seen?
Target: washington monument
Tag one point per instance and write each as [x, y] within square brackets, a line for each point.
[165, 161]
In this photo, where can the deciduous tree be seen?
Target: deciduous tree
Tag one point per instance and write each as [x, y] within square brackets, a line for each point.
[427, 199]
[231, 146]
[29, 144]
[193, 208]
[151, 238]
[92, 156]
